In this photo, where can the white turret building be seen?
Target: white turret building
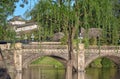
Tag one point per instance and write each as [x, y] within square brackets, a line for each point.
[21, 25]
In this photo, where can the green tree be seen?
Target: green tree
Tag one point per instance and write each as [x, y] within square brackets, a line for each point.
[7, 8]
[69, 16]
[7, 34]
[107, 63]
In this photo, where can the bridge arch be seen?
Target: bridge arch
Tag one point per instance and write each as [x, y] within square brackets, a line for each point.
[114, 58]
[31, 58]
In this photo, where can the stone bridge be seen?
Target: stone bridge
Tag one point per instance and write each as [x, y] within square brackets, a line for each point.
[21, 55]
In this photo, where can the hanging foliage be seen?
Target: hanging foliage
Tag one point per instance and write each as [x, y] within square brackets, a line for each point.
[7, 8]
[63, 15]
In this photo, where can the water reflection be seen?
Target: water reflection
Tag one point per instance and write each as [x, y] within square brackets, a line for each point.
[98, 73]
[81, 75]
[43, 73]
[103, 73]
[18, 76]
[91, 73]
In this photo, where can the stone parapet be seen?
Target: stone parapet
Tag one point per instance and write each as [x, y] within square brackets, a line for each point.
[45, 43]
[5, 46]
[28, 46]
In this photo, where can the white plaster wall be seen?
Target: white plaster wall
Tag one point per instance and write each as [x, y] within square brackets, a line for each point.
[26, 28]
[17, 23]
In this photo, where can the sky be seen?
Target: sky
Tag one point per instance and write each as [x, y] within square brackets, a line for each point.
[19, 11]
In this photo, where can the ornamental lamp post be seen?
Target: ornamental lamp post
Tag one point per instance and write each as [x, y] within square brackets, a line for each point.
[32, 37]
[25, 38]
[80, 37]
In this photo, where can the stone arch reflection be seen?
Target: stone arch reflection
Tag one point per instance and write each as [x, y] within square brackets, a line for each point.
[45, 69]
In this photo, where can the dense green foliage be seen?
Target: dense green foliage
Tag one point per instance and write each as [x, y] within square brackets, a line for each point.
[102, 63]
[48, 61]
[96, 63]
[69, 16]
[6, 33]
[7, 8]
[107, 63]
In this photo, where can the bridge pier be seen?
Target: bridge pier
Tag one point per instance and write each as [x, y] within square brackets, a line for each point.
[81, 58]
[18, 57]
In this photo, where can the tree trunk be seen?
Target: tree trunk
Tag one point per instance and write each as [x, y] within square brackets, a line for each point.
[69, 69]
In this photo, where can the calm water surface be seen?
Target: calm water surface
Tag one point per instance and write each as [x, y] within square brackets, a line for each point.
[46, 73]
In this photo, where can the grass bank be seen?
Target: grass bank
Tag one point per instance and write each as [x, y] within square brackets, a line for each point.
[47, 61]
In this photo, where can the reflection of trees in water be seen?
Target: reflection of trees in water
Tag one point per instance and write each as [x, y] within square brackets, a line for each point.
[92, 73]
[117, 75]
[107, 73]
[102, 73]
[43, 73]
[79, 75]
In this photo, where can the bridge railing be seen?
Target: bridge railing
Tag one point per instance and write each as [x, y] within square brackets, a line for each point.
[95, 50]
[44, 45]
[5, 46]
[104, 47]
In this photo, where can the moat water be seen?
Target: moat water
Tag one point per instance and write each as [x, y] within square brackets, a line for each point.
[54, 73]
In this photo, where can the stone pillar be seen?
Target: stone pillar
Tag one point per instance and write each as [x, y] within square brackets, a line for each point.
[81, 58]
[81, 75]
[18, 57]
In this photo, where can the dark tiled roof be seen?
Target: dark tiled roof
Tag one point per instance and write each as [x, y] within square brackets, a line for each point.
[92, 32]
[17, 18]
